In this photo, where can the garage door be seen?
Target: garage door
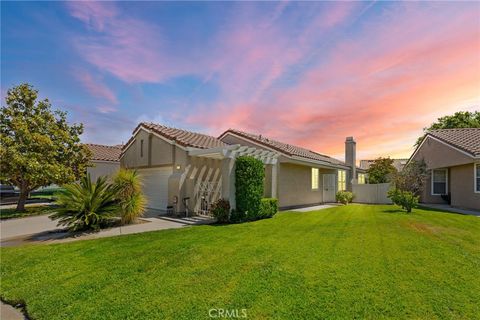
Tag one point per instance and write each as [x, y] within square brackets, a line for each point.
[155, 186]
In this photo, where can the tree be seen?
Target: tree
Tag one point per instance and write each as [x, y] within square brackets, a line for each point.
[130, 196]
[38, 146]
[381, 171]
[460, 119]
[412, 178]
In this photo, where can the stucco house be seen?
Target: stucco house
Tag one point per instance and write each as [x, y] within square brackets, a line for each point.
[189, 171]
[105, 160]
[453, 162]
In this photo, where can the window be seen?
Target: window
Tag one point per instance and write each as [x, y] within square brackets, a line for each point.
[477, 177]
[439, 182]
[141, 148]
[342, 180]
[361, 178]
[314, 178]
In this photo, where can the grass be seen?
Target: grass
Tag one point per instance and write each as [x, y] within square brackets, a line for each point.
[34, 210]
[340, 263]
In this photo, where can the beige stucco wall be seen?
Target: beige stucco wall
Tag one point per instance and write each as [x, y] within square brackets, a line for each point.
[295, 185]
[462, 187]
[439, 155]
[156, 152]
[103, 168]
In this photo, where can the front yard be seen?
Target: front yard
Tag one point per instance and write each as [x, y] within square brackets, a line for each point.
[345, 262]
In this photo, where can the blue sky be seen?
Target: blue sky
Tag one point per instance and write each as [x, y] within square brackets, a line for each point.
[308, 73]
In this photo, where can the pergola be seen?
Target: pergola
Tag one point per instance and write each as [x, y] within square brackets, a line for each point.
[234, 151]
[228, 154]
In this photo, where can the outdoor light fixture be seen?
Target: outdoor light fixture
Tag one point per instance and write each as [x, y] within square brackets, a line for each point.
[178, 167]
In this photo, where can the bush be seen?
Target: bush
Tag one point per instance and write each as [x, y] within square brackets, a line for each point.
[220, 210]
[237, 216]
[86, 205]
[249, 176]
[268, 207]
[344, 197]
[406, 199]
[129, 194]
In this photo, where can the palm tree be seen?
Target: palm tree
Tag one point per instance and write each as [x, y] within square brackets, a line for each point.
[86, 205]
[129, 192]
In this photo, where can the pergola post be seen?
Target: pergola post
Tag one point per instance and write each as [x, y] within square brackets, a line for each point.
[228, 181]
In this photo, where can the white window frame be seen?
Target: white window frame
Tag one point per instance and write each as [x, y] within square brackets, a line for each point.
[446, 182]
[475, 172]
[315, 173]
[343, 182]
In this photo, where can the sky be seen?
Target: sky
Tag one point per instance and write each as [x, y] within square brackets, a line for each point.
[305, 73]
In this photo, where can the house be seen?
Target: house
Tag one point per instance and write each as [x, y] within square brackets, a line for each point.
[453, 162]
[105, 160]
[189, 171]
[397, 163]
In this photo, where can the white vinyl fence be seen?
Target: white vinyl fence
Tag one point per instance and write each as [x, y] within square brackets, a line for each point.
[371, 193]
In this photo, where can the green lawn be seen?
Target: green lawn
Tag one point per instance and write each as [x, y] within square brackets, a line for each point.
[348, 262]
[31, 210]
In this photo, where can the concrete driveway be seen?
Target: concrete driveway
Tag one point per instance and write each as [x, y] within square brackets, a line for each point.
[41, 229]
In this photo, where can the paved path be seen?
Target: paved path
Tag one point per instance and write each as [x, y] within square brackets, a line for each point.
[315, 208]
[7, 312]
[446, 207]
[41, 229]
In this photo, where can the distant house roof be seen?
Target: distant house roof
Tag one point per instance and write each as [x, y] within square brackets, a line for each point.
[285, 148]
[397, 163]
[466, 139]
[182, 137]
[105, 153]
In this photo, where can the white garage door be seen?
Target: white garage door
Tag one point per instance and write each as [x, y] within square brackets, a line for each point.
[155, 186]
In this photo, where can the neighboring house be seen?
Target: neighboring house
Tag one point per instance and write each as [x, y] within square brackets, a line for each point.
[453, 162]
[105, 160]
[397, 163]
[182, 167]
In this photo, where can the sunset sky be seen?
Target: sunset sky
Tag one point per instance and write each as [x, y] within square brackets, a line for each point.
[308, 73]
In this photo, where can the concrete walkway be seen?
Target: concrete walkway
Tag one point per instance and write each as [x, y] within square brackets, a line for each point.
[315, 208]
[7, 312]
[41, 229]
[446, 207]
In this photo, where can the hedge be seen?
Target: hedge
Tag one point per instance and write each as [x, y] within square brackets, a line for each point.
[268, 207]
[249, 176]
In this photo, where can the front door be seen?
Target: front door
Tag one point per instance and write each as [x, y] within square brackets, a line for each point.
[329, 187]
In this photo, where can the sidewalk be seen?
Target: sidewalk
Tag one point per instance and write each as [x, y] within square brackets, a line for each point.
[446, 207]
[41, 229]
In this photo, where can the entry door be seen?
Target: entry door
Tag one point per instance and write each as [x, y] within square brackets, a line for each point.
[328, 187]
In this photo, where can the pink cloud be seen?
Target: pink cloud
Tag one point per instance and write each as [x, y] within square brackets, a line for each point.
[95, 87]
[106, 109]
[128, 48]
[384, 93]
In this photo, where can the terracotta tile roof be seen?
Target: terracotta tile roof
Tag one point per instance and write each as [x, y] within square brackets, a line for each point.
[183, 137]
[105, 153]
[285, 148]
[466, 139]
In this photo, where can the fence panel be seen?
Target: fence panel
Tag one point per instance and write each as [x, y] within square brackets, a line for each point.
[371, 193]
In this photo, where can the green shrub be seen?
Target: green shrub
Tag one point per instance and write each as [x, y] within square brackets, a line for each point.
[86, 205]
[405, 199]
[220, 210]
[129, 195]
[249, 176]
[237, 216]
[345, 197]
[268, 207]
